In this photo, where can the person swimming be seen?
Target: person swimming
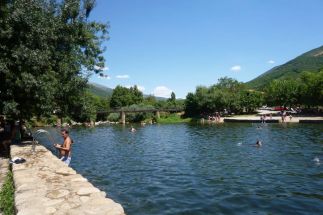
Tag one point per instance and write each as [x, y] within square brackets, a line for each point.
[316, 160]
[133, 129]
[258, 143]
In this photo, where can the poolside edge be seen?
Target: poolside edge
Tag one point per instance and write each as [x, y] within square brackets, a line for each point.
[45, 185]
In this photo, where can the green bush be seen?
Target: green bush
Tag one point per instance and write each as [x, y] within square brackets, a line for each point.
[134, 117]
[7, 196]
[114, 117]
[52, 120]
[139, 117]
[173, 118]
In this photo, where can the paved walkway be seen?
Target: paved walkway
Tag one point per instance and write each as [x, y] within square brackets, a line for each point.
[253, 118]
[45, 185]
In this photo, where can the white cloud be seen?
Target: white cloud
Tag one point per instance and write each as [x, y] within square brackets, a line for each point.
[236, 68]
[123, 76]
[162, 91]
[141, 88]
[101, 68]
[271, 62]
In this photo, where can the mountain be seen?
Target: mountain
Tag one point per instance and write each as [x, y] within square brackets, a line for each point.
[309, 61]
[103, 91]
[99, 90]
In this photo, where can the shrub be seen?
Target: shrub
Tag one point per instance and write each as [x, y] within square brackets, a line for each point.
[7, 196]
[114, 117]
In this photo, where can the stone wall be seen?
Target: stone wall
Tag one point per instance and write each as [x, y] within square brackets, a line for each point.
[45, 185]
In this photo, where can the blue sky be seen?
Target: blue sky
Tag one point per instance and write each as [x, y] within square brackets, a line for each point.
[176, 45]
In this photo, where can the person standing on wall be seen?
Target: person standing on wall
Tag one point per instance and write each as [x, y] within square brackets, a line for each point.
[66, 148]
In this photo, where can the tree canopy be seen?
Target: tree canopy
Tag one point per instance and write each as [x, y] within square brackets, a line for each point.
[305, 90]
[48, 49]
[227, 94]
[123, 96]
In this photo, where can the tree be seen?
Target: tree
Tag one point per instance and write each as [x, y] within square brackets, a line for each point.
[150, 100]
[136, 95]
[230, 84]
[312, 88]
[47, 51]
[121, 97]
[172, 97]
[227, 94]
[28, 81]
[191, 105]
[283, 92]
[251, 100]
[84, 109]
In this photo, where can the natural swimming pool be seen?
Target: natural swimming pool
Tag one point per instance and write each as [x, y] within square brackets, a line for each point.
[210, 169]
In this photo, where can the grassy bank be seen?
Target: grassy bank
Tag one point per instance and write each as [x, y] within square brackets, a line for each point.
[173, 118]
[7, 196]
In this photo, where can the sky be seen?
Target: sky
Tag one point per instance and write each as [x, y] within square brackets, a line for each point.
[176, 45]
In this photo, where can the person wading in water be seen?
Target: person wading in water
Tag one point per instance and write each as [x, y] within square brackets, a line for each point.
[65, 150]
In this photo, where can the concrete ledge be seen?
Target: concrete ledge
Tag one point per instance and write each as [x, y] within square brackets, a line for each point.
[250, 120]
[45, 185]
[310, 121]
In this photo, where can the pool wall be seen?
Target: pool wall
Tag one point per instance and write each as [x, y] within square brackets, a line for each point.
[45, 185]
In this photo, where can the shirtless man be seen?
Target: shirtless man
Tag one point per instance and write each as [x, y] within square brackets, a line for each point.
[65, 149]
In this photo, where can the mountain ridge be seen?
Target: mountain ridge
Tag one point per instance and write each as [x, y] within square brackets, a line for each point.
[309, 61]
[103, 91]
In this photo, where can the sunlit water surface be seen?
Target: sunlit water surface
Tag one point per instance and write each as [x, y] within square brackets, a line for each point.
[210, 169]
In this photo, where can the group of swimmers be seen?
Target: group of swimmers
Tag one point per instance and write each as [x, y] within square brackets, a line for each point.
[284, 115]
[215, 118]
[263, 117]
